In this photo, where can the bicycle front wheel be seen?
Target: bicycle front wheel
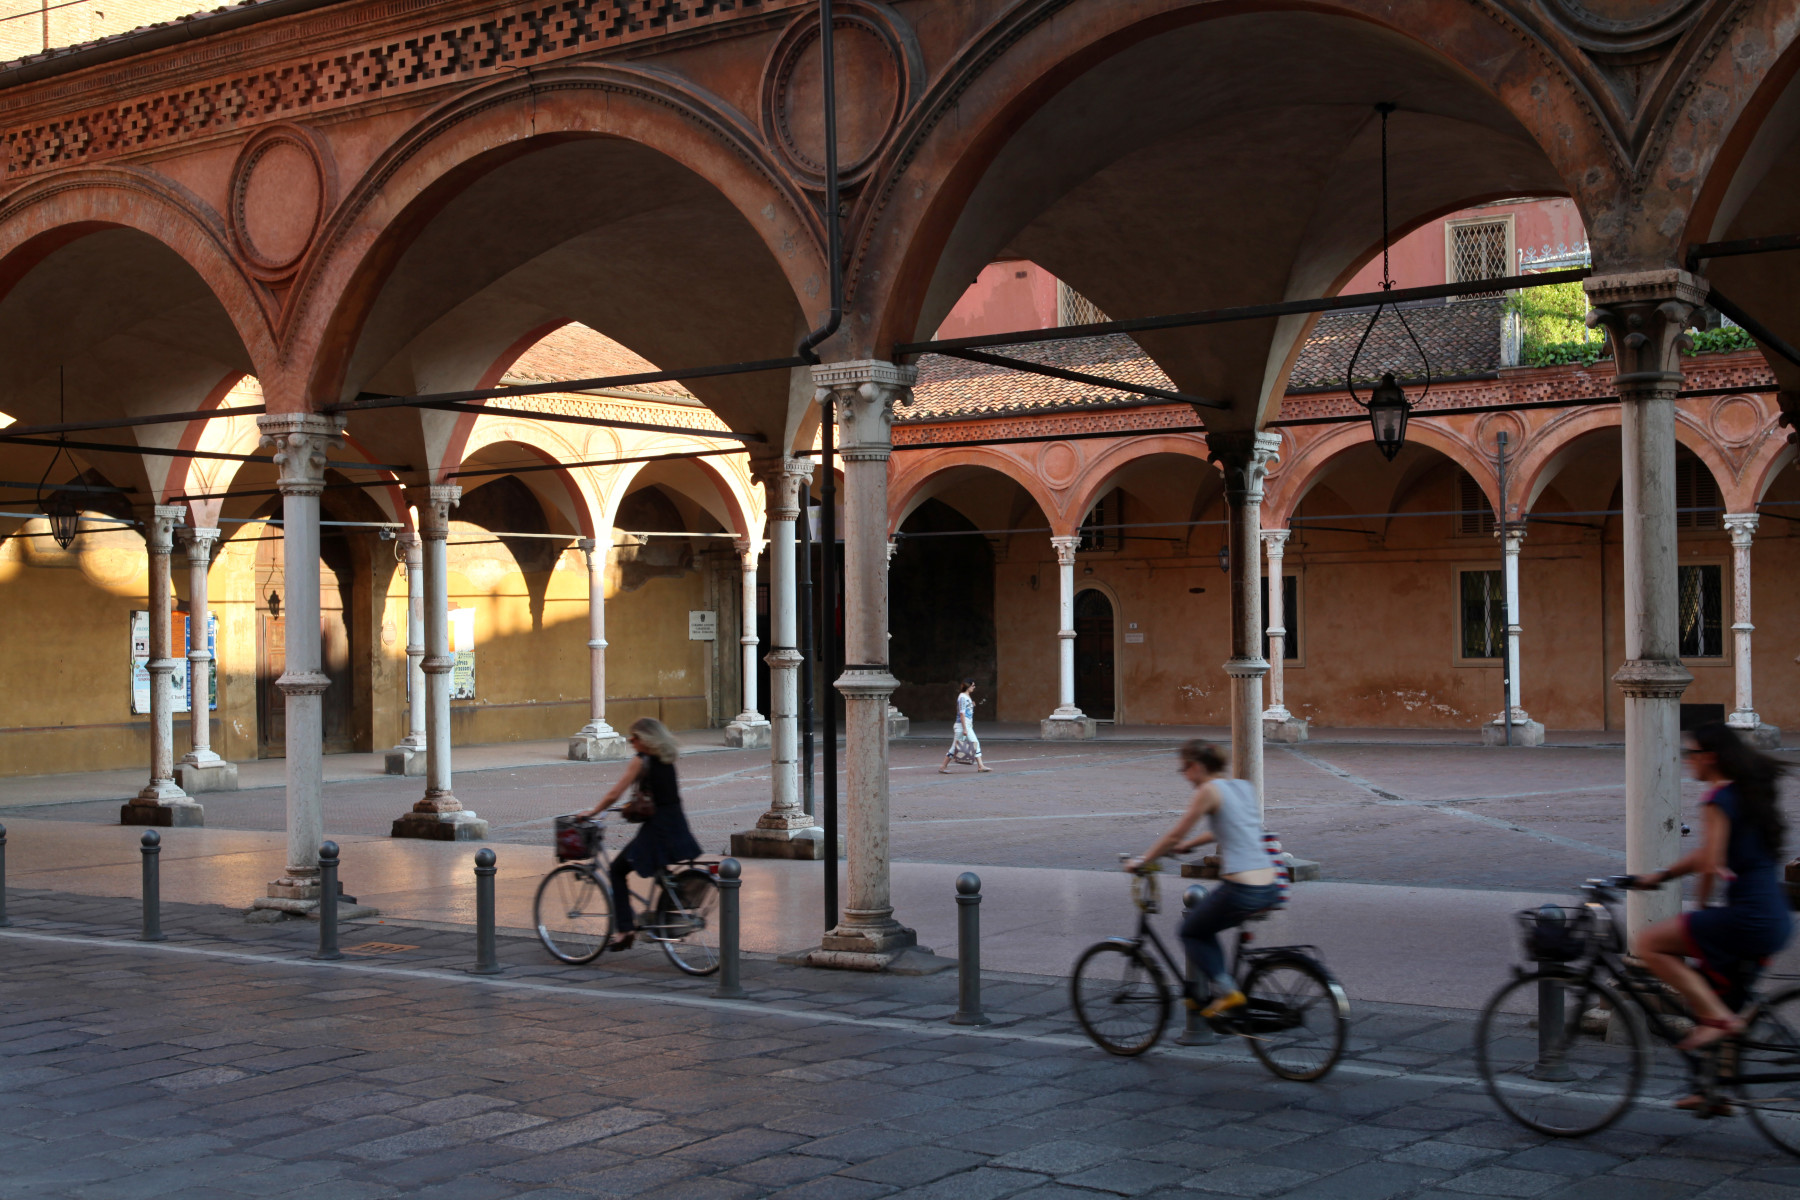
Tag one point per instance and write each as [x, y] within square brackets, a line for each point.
[1573, 1072]
[1764, 1067]
[1120, 997]
[573, 914]
[687, 922]
[1297, 1017]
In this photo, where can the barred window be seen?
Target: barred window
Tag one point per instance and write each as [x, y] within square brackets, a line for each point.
[1100, 531]
[1478, 250]
[1483, 614]
[1474, 515]
[1697, 500]
[1702, 612]
[1073, 308]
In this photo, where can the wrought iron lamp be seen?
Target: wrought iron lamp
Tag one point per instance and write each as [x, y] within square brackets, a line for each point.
[59, 506]
[1387, 405]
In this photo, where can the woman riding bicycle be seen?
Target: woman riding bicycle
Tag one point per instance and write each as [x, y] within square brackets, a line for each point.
[664, 837]
[1740, 841]
[1246, 876]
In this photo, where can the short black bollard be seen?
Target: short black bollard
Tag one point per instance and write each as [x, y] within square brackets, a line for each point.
[487, 957]
[4, 919]
[328, 900]
[730, 884]
[968, 951]
[1194, 1029]
[1552, 1065]
[152, 848]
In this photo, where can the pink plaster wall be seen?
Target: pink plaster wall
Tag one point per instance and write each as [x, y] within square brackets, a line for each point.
[1006, 295]
[1417, 260]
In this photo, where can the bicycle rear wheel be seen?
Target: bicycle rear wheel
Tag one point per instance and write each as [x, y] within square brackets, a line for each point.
[1764, 1067]
[1573, 1076]
[573, 914]
[1120, 997]
[1297, 1017]
[687, 922]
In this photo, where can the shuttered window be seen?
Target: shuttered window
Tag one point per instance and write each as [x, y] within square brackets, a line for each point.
[1474, 515]
[1697, 501]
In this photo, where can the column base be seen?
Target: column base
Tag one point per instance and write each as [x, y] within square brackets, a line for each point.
[875, 947]
[459, 826]
[1287, 731]
[1755, 731]
[899, 725]
[1524, 733]
[747, 734]
[1077, 728]
[585, 747]
[163, 814]
[216, 775]
[346, 910]
[406, 760]
[807, 844]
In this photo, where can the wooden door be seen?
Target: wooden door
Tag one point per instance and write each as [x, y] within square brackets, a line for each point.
[1094, 681]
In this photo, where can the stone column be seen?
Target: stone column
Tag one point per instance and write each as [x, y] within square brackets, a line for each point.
[201, 770]
[785, 831]
[1645, 315]
[1279, 725]
[440, 816]
[162, 802]
[1245, 459]
[863, 394]
[301, 442]
[1068, 722]
[1744, 718]
[1525, 731]
[408, 756]
[597, 741]
[748, 730]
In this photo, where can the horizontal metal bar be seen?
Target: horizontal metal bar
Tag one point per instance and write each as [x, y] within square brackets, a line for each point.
[275, 491]
[1754, 328]
[572, 385]
[169, 452]
[133, 422]
[598, 462]
[1253, 312]
[570, 419]
[1758, 245]
[1020, 364]
[64, 487]
[1064, 437]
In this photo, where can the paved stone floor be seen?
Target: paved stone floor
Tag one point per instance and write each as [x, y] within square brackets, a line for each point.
[226, 1063]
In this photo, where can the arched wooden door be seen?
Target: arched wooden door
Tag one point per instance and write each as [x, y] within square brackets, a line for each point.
[1095, 686]
[271, 646]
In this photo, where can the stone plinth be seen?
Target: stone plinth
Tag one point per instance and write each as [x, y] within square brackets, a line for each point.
[406, 760]
[1524, 733]
[747, 735]
[1287, 731]
[899, 725]
[807, 844]
[166, 816]
[1763, 736]
[1068, 729]
[215, 776]
[456, 826]
[583, 748]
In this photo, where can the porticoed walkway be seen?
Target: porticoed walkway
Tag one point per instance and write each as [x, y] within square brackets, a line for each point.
[225, 1063]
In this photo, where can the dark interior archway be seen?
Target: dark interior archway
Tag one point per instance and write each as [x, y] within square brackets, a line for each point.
[941, 611]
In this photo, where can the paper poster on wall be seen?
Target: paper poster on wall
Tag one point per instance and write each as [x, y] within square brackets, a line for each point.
[140, 662]
[462, 648]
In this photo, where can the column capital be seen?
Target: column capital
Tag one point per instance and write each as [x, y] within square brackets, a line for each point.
[1511, 537]
[160, 528]
[1742, 527]
[300, 442]
[1065, 548]
[434, 502]
[200, 540]
[1652, 679]
[864, 393]
[1645, 316]
[782, 478]
[1244, 457]
[1276, 540]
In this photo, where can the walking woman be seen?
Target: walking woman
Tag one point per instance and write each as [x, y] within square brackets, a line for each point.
[1741, 836]
[664, 837]
[965, 747]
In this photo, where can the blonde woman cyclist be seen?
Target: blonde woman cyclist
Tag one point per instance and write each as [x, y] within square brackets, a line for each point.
[664, 837]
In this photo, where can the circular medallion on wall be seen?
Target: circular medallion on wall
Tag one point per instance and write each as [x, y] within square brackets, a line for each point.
[1736, 420]
[1057, 463]
[877, 61]
[1487, 435]
[1624, 25]
[281, 189]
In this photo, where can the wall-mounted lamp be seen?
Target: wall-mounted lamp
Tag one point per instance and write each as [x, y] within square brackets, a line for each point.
[1087, 570]
[1034, 583]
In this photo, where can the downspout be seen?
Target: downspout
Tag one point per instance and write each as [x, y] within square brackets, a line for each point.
[834, 252]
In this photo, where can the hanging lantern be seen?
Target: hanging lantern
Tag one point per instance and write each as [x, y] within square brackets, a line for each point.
[1388, 411]
[65, 518]
[1225, 558]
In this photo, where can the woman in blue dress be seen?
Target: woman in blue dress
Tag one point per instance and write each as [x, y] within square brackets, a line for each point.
[965, 747]
[1741, 839]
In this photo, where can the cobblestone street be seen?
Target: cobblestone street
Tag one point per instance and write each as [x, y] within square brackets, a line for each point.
[225, 1063]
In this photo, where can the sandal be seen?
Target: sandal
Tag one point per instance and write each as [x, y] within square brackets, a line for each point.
[1708, 1031]
[623, 941]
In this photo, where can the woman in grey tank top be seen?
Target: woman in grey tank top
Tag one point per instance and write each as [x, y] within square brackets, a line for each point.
[1246, 874]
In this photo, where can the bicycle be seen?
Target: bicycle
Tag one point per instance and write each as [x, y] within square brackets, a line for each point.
[1582, 1066]
[573, 909]
[1296, 1019]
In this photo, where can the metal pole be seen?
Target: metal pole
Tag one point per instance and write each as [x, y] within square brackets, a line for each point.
[151, 846]
[827, 634]
[803, 531]
[487, 956]
[1552, 1066]
[968, 951]
[328, 900]
[730, 882]
[1505, 609]
[4, 919]
[1194, 1030]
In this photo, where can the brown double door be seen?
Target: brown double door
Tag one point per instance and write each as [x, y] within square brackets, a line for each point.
[271, 646]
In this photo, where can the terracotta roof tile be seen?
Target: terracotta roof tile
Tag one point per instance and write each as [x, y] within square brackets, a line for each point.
[577, 352]
[1460, 339]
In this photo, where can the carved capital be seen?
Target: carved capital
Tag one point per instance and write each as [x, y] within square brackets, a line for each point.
[1742, 527]
[434, 504]
[863, 394]
[1276, 540]
[1653, 679]
[782, 478]
[1512, 538]
[1645, 316]
[1244, 458]
[159, 530]
[1065, 548]
[301, 443]
[201, 541]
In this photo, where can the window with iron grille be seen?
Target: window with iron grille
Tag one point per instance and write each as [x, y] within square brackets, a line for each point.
[1073, 308]
[1100, 531]
[1483, 613]
[1474, 515]
[1477, 250]
[1697, 501]
[1702, 611]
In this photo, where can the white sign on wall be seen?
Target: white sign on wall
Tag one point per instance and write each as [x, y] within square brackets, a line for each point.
[462, 648]
[703, 625]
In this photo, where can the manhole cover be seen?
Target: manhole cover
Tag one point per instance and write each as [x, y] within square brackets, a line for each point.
[378, 948]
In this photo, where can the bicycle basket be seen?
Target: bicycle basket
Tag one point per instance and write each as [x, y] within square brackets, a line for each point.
[1555, 933]
[577, 839]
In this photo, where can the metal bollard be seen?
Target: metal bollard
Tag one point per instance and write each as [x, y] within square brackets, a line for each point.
[1194, 1029]
[968, 951]
[1552, 1065]
[487, 957]
[4, 919]
[730, 883]
[152, 848]
[328, 898]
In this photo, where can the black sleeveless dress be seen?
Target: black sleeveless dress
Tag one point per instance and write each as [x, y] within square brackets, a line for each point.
[665, 838]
